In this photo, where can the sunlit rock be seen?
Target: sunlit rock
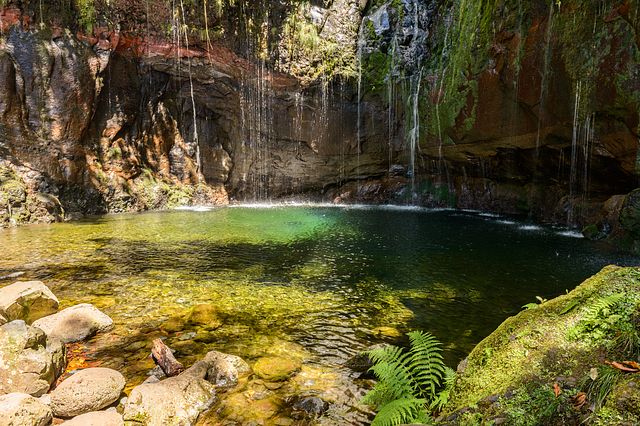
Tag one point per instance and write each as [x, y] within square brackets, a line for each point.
[27, 300]
[29, 360]
[97, 418]
[276, 368]
[176, 400]
[87, 390]
[19, 409]
[75, 323]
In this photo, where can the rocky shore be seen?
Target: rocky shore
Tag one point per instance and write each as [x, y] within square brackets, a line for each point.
[39, 386]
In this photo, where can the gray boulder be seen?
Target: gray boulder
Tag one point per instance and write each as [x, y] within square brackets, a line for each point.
[27, 300]
[19, 409]
[29, 361]
[87, 390]
[224, 369]
[97, 418]
[175, 401]
[75, 323]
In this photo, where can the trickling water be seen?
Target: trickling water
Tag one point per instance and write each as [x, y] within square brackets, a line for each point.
[414, 132]
[196, 139]
[361, 41]
[545, 76]
[581, 148]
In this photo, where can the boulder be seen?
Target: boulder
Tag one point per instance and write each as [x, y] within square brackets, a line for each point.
[177, 400]
[97, 418]
[20, 409]
[27, 300]
[205, 316]
[630, 213]
[87, 390]
[224, 369]
[75, 323]
[310, 406]
[276, 368]
[29, 361]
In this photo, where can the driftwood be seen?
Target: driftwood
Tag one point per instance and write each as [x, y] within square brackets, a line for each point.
[163, 356]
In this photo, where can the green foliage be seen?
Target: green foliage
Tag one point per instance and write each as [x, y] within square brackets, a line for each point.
[599, 388]
[531, 405]
[534, 305]
[408, 382]
[87, 14]
[600, 319]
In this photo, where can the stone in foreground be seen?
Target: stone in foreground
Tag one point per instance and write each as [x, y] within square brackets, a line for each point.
[176, 401]
[27, 300]
[19, 409]
[29, 361]
[97, 418]
[75, 323]
[88, 390]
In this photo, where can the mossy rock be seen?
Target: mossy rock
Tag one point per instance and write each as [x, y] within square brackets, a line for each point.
[557, 342]
[173, 324]
[205, 316]
[276, 368]
[630, 213]
[623, 404]
[240, 407]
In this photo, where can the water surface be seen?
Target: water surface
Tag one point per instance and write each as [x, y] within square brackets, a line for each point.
[319, 283]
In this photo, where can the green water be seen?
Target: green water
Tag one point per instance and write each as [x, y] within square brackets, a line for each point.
[317, 283]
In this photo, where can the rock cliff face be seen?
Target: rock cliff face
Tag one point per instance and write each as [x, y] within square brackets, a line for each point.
[519, 109]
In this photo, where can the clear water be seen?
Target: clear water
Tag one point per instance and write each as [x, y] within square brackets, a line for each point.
[319, 283]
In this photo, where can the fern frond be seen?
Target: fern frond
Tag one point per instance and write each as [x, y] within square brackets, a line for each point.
[425, 363]
[400, 411]
[601, 305]
[442, 398]
[395, 378]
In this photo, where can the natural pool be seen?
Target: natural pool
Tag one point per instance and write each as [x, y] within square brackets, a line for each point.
[315, 283]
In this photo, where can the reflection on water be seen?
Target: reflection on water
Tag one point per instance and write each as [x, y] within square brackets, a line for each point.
[318, 283]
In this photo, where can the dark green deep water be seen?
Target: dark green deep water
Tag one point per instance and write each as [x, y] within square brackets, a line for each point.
[318, 282]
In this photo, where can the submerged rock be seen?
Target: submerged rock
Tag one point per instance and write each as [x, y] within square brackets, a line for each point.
[19, 409]
[27, 300]
[75, 323]
[205, 316]
[276, 368]
[29, 361]
[87, 390]
[97, 418]
[310, 406]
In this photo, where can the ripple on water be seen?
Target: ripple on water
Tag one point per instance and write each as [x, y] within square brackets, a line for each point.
[316, 283]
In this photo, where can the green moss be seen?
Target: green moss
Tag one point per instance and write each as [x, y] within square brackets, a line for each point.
[533, 349]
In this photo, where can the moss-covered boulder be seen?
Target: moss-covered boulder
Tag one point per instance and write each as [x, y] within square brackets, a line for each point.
[549, 364]
[276, 368]
[205, 316]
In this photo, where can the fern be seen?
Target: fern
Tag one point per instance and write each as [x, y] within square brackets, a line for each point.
[602, 306]
[443, 396]
[407, 381]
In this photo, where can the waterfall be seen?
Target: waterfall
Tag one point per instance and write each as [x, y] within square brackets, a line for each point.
[581, 148]
[414, 132]
[256, 97]
[361, 42]
[545, 76]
